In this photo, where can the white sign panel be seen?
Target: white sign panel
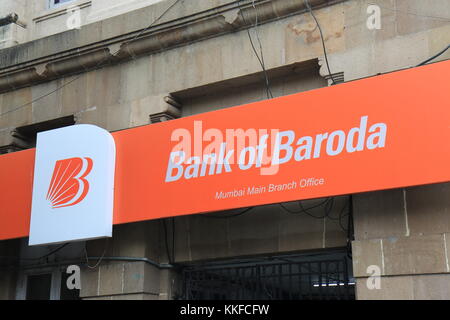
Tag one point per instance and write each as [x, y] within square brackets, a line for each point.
[73, 188]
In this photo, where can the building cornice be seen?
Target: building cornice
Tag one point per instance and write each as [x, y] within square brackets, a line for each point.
[174, 33]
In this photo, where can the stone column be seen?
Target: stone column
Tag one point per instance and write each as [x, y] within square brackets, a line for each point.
[122, 279]
[404, 234]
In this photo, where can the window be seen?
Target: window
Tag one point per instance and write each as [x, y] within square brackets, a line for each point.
[39, 286]
[46, 280]
[55, 3]
[26, 136]
[45, 283]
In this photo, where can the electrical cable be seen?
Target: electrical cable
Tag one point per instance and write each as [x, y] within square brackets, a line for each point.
[99, 260]
[260, 59]
[303, 210]
[15, 258]
[327, 204]
[39, 258]
[166, 241]
[134, 259]
[308, 6]
[433, 57]
[254, 49]
[266, 76]
[53, 251]
[335, 218]
[350, 229]
[170, 257]
[329, 201]
[342, 215]
[173, 239]
[223, 216]
[96, 67]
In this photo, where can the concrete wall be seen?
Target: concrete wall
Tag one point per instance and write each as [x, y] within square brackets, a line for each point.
[404, 232]
[122, 279]
[43, 20]
[263, 230]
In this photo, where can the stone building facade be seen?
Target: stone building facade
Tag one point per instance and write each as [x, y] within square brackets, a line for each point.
[122, 67]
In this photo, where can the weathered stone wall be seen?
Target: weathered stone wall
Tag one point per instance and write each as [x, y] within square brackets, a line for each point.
[405, 232]
[42, 20]
[136, 280]
[262, 230]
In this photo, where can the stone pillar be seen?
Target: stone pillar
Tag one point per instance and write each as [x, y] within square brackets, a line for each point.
[404, 234]
[14, 33]
[170, 284]
[120, 280]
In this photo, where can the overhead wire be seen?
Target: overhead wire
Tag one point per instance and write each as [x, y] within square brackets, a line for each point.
[166, 241]
[170, 256]
[99, 260]
[420, 16]
[261, 61]
[350, 228]
[173, 240]
[266, 76]
[259, 58]
[66, 84]
[308, 6]
[306, 211]
[53, 251]
[225, 216]
[342, 215]
[328, 206]
[96, 66]
[41, 257]
[434, 57]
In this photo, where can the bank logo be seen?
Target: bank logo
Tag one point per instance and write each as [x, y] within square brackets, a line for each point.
[73, 185]
[69, 186]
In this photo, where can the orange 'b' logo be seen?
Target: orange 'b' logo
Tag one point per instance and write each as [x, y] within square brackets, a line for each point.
[69, 186]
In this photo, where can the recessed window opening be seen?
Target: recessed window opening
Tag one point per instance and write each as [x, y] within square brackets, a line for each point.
[25, 137]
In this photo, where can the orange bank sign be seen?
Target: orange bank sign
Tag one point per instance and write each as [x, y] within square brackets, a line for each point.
[384, 132]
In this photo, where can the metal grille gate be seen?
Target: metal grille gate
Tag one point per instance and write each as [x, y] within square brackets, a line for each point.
[280, 280]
